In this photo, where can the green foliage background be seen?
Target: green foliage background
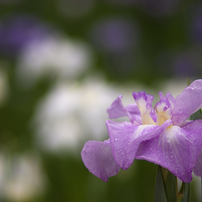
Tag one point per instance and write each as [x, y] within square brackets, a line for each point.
[67, 178]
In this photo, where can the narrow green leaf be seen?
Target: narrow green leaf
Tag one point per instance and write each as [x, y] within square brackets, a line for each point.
[171, 187]
[196, 115]
[160, 192]
[184, 193]
[166, 188]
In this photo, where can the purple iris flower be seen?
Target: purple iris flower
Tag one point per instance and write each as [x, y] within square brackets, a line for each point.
[161, 135]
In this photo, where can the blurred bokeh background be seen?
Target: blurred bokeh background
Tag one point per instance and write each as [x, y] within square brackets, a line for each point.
[62, 63]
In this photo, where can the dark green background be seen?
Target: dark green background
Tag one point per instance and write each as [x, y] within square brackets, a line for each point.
[163, 35]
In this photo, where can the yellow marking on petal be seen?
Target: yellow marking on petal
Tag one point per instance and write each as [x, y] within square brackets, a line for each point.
[162, 116]
[169, 127]
[146, 118]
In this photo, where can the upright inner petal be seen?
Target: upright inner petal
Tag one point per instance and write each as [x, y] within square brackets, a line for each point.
[163, 109]
[144, 102]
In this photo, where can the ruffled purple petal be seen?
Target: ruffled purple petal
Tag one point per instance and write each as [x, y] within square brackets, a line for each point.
[173, 150]
[97, 157]
[195, 127]
[168, 97]
[144, 103]
[120, 134]
[117, 110]
[163, 105]
[188, 102]
[143, 99]
[198, 168]
[132, 109]
[135, 116]
[171, 99]
[126, 137]
[144, 133]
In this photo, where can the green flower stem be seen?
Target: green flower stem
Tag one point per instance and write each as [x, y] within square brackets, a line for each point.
[166, 188]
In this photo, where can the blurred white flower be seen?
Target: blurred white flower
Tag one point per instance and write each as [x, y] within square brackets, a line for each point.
[21, 177]
[73, 113]
[57, 57]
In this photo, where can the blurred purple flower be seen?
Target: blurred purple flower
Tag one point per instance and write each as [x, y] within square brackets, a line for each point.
[186, 65]
[17, 31]
[161, 135]
[115, 35]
